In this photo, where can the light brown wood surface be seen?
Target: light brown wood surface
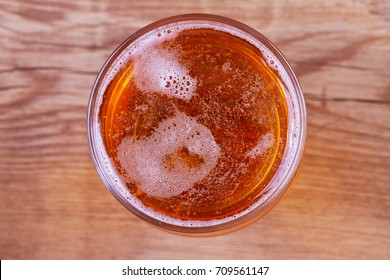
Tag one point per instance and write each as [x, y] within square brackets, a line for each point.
[53, 204]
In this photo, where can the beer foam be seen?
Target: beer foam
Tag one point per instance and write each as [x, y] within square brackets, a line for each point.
[264, 144]
[145, 164]
[158, 70]
[226, 66]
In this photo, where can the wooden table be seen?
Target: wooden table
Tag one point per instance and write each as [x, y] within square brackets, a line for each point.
[53, 204]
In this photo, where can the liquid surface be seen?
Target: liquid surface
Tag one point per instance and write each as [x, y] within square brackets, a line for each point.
[195, 123]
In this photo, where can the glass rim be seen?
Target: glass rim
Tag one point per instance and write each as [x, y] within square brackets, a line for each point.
[278, 190]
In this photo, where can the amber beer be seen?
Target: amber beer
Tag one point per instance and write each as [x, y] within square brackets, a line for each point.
[194, 122]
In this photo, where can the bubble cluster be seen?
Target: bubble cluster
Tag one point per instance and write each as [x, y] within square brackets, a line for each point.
[265, 143]
[158, 70]
[147, 165]
[226, 66]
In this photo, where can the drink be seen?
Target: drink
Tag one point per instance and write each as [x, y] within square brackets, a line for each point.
[214, 86]
[195, 124]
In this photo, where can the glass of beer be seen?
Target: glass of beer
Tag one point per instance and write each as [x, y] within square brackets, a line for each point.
[197, 124]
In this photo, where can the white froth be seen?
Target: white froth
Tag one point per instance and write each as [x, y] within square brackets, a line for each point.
[265, 142]
[226, 66]
[158, 70]
[145, 163]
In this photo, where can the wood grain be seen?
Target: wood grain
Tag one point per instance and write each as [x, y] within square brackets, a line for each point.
[53, 204]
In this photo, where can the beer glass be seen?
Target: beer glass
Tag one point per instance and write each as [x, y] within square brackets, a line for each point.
[197, 124]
